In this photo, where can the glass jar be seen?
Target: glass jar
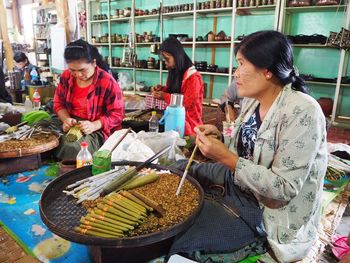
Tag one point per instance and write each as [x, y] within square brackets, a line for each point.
[327, 2]
[297, 3]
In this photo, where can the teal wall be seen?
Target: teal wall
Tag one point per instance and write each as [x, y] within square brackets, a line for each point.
[319, 62]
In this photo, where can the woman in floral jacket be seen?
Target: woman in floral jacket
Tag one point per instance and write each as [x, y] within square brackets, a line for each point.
[278, 152]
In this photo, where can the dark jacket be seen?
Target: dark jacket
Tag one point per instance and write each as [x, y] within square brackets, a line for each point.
[4, 95]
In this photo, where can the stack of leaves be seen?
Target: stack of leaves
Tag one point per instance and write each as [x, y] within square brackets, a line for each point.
[74, 134]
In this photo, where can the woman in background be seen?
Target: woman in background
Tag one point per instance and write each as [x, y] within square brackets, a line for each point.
[183, 78]
[88, 97]
[22, 63]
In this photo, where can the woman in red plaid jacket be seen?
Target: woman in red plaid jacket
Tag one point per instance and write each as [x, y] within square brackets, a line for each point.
[87, 97]
[182, 78]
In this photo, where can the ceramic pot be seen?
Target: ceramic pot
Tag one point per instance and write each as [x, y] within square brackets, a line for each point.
[67, 166]
[326, 105]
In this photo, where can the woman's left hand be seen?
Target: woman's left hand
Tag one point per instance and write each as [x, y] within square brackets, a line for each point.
[87, 127]
[158, 95]
[214, 149]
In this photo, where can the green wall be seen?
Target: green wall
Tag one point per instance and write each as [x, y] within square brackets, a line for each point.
[319, 62]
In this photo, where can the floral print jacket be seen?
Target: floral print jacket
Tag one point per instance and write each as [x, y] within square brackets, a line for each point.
[287, 170]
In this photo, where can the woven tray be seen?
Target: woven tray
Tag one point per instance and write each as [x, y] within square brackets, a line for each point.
[26, 151]
[61, 214]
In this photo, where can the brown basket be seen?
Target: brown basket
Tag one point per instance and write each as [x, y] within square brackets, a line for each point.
[20, 152]
[61, 214]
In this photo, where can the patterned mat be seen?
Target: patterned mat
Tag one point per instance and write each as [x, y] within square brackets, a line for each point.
[19, 213]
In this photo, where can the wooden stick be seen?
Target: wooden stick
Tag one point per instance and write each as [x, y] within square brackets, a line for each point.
[186, 170]
[5, 37]
[120, 139]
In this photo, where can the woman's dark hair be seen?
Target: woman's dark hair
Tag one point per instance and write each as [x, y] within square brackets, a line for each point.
[81, 49]
[182, 62]
[20, 57]
[273, 51]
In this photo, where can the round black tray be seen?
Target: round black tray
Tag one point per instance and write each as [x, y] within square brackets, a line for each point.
[61, 214]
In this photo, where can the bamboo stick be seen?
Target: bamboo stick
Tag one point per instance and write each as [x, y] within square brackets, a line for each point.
[149, 202]
[186, 170]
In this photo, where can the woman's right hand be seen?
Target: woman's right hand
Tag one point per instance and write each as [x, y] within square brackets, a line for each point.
[157, 88]
[68, 123]
[208, 130]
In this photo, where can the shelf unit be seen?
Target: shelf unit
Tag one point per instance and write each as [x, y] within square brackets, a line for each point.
[326, 18]
[237, 21]
[44, 18]
[195, 49]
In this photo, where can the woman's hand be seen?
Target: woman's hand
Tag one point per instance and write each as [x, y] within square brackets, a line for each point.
[68, 123]
[88, 127]
[208, 130]
[157, 88]
[214, 149]
[158, 95]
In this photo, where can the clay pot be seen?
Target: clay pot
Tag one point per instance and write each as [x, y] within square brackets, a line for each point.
[67, 166]
[326, 105]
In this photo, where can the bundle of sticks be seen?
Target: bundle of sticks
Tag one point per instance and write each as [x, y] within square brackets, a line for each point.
[91, 187]
[116, 215]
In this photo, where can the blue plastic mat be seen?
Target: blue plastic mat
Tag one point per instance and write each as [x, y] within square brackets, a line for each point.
[19, 213]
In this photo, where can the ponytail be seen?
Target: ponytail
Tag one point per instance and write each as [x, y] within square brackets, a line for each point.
[299, 84]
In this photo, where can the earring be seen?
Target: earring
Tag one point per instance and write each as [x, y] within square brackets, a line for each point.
[268, 76]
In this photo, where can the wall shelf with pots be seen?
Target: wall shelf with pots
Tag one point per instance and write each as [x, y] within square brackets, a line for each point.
[308, 57]
[236, 20]
[197, 17]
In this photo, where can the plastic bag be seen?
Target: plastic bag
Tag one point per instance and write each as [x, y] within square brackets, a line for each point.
[125, 80]
[158, 141]
[130, 149]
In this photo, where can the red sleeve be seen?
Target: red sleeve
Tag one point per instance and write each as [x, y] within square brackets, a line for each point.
[113, 118]
[193, 90]
[59, 100]
[166, 95]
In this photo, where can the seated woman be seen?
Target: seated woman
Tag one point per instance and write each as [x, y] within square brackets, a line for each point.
[87, 96]
[230, 102]
[22, 63]
[278, 153]
[182, 78]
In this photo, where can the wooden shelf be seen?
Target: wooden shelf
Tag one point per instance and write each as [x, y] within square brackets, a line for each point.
[226, 10]
[250, 10]
[99, 21]
[312, 46]
[100, 44]
[328, 8]
[126, 68]
[321, 83]
[147, 69]
[178, 14]
[146, 17]
[120, 19]
[214, 74]
[146, 43]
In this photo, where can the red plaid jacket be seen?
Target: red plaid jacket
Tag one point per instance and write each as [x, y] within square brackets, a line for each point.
[104, 101]
[192, 88]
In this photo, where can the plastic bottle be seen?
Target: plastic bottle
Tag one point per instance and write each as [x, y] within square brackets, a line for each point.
[36, 100]
[84, 157]
[153, 123]
[34, 76]
[28, 105]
